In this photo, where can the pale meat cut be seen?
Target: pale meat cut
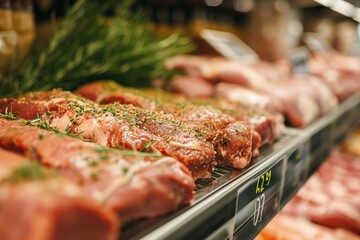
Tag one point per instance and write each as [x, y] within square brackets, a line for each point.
[300, 98]
[243, 95]
[40, 208]
[341, 73]
[133, 186]
[118, 126]
[192, 87]
[217, 69]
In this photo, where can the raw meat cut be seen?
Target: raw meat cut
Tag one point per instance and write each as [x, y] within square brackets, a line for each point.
[300, 98]
[341, 73]
[109, 92]
[118, 126]
[133, 186]
[37, 207]
[217, 69]
[268, 126]
[212, 124]
[192, 87]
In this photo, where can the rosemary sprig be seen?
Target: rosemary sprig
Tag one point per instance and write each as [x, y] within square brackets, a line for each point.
[101, 149]
[85, 47]
[40, 123]
[8, 114]
[43, 124]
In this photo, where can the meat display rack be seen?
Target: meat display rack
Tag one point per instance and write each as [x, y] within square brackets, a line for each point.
[237, 204]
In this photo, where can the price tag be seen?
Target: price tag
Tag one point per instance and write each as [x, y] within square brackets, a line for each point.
[299, 58]
[316, 43]
[229, 46]
[296, 171]
[259, 200]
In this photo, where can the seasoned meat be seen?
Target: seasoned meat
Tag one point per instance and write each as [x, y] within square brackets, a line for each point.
[266, 127]
[133, 186]
[47, 208]
[117, 126]
[233, 140]
[210, 123]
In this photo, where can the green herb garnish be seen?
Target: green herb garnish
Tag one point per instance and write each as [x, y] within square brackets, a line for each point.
[43, 124]
[101, 149]
[8, 114]
[147, 145]
[28, 171]
[94, 176]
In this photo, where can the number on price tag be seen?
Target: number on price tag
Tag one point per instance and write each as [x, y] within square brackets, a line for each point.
[259, 209]
[259, 199]
[263, 181]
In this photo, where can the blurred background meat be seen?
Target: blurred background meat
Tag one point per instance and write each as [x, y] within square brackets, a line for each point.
[331, 197]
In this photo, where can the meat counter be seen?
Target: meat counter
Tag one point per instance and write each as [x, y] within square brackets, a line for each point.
[237, 204]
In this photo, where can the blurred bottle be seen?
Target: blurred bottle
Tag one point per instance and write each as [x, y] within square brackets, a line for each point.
[274, 28]
[23, 25]
[8, 39]
[5, 15]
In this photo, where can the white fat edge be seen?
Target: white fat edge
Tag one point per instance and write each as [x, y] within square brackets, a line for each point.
[246, 96]
[308, 108]
[189, 145]
[91, 129]
[112, 187]
[326, 98]
[61, 99]
[61, 123]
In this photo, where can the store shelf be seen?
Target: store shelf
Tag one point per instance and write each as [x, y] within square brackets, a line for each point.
[240, 203]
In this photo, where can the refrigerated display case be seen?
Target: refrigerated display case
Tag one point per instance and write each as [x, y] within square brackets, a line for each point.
[238, 204]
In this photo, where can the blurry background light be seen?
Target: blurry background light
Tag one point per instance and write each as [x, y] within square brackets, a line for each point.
[213, 3]
[243, 5]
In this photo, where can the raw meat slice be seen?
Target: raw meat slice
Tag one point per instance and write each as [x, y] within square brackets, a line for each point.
[133, 186]
[118, 126]
[217, 69]
[210, 123]
[192, 87]
[47, 208]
